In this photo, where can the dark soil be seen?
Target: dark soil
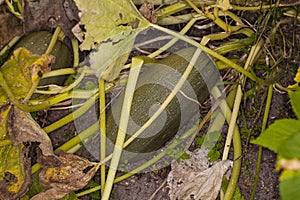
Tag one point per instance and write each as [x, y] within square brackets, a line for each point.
[143, 186]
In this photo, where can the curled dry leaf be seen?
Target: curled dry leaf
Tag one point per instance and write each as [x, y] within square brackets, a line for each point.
[22, 128]
[192, 179]
[15, 167]
[73, 174]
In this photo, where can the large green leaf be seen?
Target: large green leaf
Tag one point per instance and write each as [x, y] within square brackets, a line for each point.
[280, 132]
[295, 101]
[290, 148]
[103, 19]
[109, 58]
[289, 185]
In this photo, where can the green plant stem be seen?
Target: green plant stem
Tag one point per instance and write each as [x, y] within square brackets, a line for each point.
[102, 130]
[75, 83]
[233, 45]
[210, 52]
[59, 72]
[232, 123]
[237, 147]
[233, 129]
[11, 8]
[7, 47]
[175, 39]
[259, 155]
[70, 117]
[23, 106]
[75, 52]
[261, 7]
[136, 65]
[53, 40]
[34, 85]
[217, 20]
[179, 6]
[178, 19]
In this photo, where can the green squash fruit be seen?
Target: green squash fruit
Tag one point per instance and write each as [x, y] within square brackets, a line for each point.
[37, 43]
[154, 84]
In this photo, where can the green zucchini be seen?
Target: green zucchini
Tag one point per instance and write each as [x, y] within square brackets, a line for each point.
[154, 85]
[37, 43]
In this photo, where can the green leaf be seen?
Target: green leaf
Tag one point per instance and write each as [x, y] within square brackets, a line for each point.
[109, 58]
[279, 132]
[213, 155]
[290, 148]
[295, 101]
[103, 19]
[289, 186]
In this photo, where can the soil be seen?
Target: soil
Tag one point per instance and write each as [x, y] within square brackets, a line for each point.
[143, 186]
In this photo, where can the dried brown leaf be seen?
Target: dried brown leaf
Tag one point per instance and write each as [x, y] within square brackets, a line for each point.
[147, 10]
[190, 180]
[22, 128]
[73, 174]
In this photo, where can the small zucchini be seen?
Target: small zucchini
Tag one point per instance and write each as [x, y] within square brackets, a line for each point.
[155, 83]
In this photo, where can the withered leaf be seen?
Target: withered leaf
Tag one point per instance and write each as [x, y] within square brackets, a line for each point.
[190, 180]
[73, 174]
[22, 128]
[147, 10]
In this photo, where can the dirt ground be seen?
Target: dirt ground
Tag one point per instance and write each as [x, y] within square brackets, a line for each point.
[143, 186]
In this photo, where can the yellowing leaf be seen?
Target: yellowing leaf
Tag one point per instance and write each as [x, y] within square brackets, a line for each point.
[18, 74]
[23, 67]
[297, 77]
[103, 19]
[11, 169]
